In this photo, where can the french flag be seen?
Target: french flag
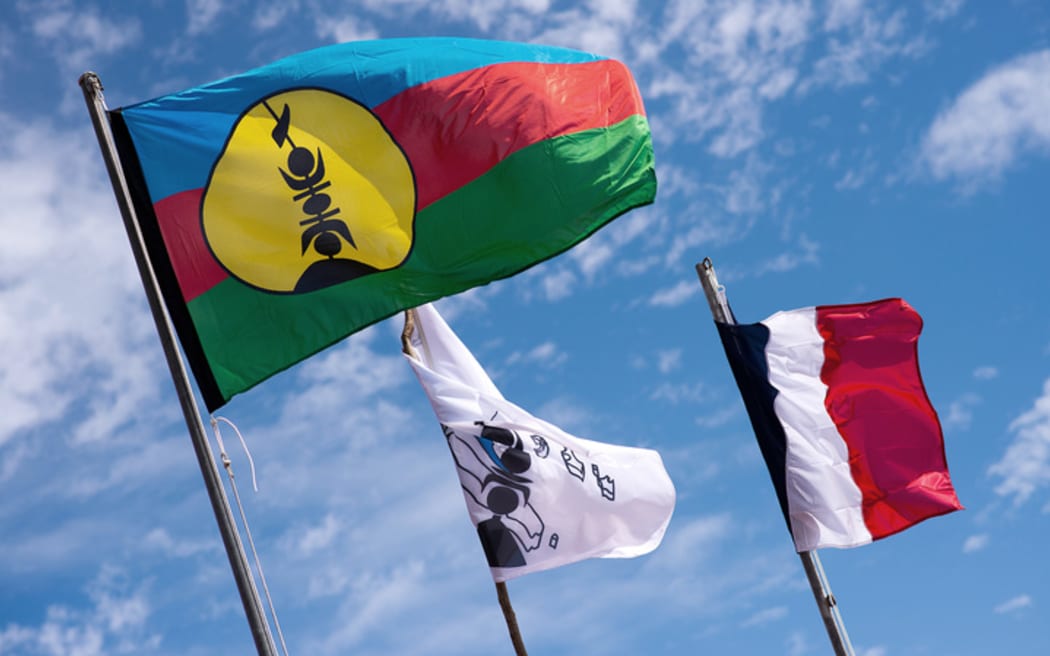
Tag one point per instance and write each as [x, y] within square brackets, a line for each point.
[852, 443]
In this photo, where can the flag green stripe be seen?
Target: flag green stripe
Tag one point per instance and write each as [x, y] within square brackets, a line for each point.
[537, 203]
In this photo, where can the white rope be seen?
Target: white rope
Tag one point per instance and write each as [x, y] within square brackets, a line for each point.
[222, 448]
[244, 519]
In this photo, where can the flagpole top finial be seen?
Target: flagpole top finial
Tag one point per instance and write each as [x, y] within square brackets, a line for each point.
[90, 78]
[713, 290]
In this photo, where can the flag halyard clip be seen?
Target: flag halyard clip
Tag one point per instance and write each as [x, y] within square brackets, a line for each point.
[226, 463]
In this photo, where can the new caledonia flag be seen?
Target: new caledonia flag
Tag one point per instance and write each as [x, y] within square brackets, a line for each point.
[289, 206]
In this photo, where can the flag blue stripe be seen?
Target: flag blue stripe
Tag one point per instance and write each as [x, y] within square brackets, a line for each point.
[745, 347]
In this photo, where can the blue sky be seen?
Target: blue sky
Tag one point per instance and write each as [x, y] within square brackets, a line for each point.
[818, 152]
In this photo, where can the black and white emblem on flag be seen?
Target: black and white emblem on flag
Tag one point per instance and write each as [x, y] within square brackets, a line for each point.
[494, 472]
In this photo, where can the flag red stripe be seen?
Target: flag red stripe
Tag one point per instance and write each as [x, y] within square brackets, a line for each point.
[456, 128]
[196, 269]
[877, 401]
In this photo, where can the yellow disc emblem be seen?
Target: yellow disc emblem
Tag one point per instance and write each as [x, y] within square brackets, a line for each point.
[310, 191]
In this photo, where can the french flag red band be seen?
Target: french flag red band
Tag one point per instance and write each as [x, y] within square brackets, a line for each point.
[852, 443]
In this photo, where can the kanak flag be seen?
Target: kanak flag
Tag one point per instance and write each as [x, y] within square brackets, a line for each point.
[289, 206]
[835, 397]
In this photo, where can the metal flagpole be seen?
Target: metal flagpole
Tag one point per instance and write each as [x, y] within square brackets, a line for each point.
[92, 88]
[829, 611]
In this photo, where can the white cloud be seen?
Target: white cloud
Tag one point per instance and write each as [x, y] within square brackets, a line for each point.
[667, 361]
[874, 651]
[361, 416]
[601, 32]
[960, 412]
[487, 15]
[126, 469]
[765, 616]
[859, 41]
[940, 10]
[62, 634]
[202, 15]
[619, 11]
[314, 538]
[789, 261]
[975, 543]
[681, 393]
[797, 644]
[608, 250]
[7, 39]
[842, 13]
[860, 170]
[116, 622]
[1025, 467]
[62, 543]
[160, 539]
[985, 373]
[349, 28]
[558, 285]
[593, 254]
[1014, 604]
[14, 454]
[466, 304]
[384, 599]
[117, 610]
[746, 191]
[743, 55]
[676, 295]
[718, 418]
[74, 312]
[852, 179]
[547, 355]
[80, 37]
[695, 537]
[995, 122]
[353, 364]
[709, 228]
[14, 636]
[268, 15]
[400, 490]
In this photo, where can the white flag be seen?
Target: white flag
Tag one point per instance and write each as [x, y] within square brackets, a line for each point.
[539, 497]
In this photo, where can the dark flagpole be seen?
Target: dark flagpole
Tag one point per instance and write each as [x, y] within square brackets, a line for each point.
[501, 586]
[818, 583]
[253, 609]
[510, 618]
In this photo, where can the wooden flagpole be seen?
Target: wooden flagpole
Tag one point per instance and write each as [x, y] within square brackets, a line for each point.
[510, 618]
[501, 586]
[818, 583]
[253, 609]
